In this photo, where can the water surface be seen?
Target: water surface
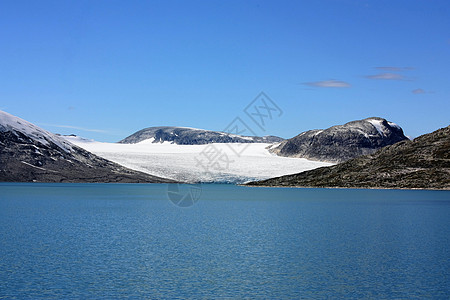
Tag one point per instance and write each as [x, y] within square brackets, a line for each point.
[119, 240]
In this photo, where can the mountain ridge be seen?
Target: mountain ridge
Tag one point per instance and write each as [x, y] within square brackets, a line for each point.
[423, 163]
[192, 136]
[342, 142]
[29, 153]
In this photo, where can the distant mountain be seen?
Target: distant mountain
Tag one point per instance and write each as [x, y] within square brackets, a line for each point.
[342, 142]
[192, 136]
[29, 153]
[421, 163]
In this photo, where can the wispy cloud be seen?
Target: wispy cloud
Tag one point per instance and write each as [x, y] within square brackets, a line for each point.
[329, 83]
[387, 76]
[74, 127]
[395, 69]
[421, 91]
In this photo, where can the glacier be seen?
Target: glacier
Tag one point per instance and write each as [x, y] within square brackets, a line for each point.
[243, 162]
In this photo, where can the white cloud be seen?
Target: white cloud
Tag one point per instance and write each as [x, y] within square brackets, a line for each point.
[387, 76]
[395, 69]
[329, 83]
[419, 91]
[74, 127]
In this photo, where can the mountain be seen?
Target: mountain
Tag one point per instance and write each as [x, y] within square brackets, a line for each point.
[29, 153]
[192, 136]
[342, 142]
[421, 163]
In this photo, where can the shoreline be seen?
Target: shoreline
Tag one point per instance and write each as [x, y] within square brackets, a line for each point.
[237, 184]
[355, 188]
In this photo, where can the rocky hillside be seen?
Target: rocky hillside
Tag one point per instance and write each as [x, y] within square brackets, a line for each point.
[29, 153]
[342, 142]
[192, 136]
[422, 163]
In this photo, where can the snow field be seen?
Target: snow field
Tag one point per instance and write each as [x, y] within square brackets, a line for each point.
[217, 162]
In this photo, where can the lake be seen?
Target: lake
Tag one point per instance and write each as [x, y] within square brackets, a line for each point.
[129, 240]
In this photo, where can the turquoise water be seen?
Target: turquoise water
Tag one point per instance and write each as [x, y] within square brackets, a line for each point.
[126, 240]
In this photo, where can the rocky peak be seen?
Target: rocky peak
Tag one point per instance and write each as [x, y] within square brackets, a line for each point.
[342, 142]
[192, 136]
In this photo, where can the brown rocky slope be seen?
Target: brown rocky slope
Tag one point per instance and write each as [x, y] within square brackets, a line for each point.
[423, 163]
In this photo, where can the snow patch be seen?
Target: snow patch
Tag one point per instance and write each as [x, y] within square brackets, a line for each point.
[75, 138]
[392, 124]
[248, 138]
[273, 146]
[12, 123]
[363, 133]
[30, 165]
[147, 141]
[378, 126]
[319, 131]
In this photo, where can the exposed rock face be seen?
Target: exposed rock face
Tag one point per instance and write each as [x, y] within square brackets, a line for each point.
[422, 163]
[29, 153]
[192, 136]
[342, 142]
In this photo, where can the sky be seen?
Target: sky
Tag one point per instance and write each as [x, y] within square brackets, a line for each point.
[105, 69]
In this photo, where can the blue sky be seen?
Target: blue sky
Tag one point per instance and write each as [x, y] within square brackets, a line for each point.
[105, 69]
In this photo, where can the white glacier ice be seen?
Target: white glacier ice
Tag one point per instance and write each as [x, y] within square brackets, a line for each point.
[187, 162]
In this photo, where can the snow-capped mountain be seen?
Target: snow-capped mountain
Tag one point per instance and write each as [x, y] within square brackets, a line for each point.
[26, 132]
[29, 153]
[192, 136]
[342, 142]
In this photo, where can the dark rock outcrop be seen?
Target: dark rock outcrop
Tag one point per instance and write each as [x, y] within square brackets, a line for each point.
[192, 136]
[423, 163]
[342, 142]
